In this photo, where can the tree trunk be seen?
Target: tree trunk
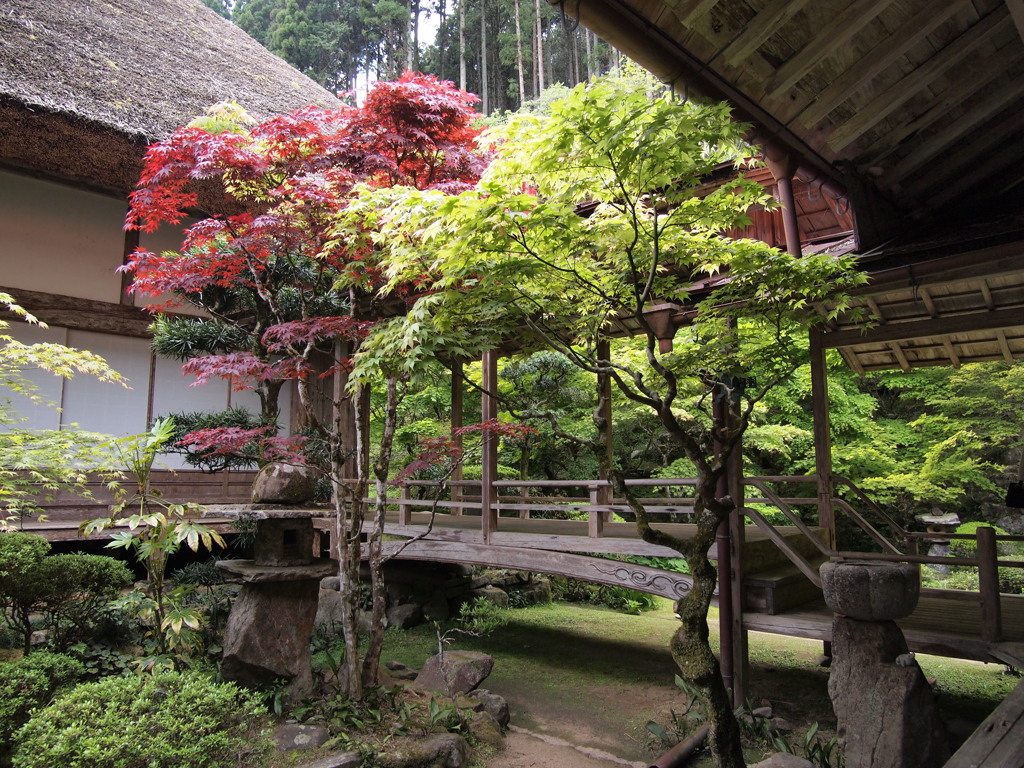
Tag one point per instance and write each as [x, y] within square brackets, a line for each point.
[442, 38]
[540, 48]
[462, 44]
[589, 51]
[519, 58]
[414, 52]
[484, 105]
[381, 469]
[690, 646]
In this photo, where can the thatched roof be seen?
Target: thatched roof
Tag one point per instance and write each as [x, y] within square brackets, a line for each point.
[85, 85]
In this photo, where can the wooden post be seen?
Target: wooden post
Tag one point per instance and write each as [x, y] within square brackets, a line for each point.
[595, 517]
[404, 508]
[489, 461]
[737, 531]
[988, 585]
[604, 394]
[730, 613]
[822, 436]
[458, 400]
[783, 167]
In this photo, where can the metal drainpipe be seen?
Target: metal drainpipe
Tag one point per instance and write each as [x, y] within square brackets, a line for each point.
[783, 167]
[681, 752]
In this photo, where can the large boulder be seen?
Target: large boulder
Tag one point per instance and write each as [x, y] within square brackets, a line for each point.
[278, 483]
[439, 750]
[495, 705]
[885, 708]
[454, 672]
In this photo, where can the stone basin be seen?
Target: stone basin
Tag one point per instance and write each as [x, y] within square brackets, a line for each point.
[871, 590]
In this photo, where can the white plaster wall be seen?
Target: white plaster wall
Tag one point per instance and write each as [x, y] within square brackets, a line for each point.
[167, 238]
[98, 406]
[61, 240]
[44, 414]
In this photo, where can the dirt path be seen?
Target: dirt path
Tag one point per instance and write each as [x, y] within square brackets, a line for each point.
[581, 695]
[524, 749]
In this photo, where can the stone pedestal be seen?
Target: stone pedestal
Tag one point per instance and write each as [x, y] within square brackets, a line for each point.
[884, 706]
[271, 623]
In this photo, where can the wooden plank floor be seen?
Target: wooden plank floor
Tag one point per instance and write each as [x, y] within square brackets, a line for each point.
[939, 626]
[999, 741]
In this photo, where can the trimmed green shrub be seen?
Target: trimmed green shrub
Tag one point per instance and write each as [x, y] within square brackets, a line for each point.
[20, 588]
[68, 591]
[165, 720]
[79, 587]
[969, 547]
[29, 683]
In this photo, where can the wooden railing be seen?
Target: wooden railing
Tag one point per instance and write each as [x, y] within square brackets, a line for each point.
[591, 499]
[987, 559]
[462, 497]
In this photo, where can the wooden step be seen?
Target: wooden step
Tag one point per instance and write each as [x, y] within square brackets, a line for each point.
[779, 589]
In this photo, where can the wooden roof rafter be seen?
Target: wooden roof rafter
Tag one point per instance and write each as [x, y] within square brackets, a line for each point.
[905, 106]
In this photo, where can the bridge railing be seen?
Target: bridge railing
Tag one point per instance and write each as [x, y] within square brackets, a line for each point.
[581, 499]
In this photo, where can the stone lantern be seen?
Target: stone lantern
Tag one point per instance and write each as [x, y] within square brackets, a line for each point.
[271, 623]
[939, 523]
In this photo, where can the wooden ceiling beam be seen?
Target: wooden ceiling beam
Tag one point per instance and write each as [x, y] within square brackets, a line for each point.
[1004, 346]
[929, 304]
[1016, 8]
[884, 104]
[852, 360]
[972, 80]
[954, 358]
[1010, 317]
[693, 10]
[978, 174]
[925, 149]
[997, 260]
[766, 23]
[883, 55]
[901, 358]
[832, 36]
[1003, 129]
[986, 294]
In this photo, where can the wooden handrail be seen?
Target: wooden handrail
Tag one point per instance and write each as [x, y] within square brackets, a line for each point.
[784, 546]
[791, 516]
[866, 526]
[877, 510]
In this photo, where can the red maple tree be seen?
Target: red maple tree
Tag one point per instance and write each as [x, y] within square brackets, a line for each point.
[286, 280]
[275, 275]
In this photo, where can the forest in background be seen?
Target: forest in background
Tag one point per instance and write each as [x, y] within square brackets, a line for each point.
[506, 51]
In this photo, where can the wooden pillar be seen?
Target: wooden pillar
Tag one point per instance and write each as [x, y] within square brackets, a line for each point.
[737, 537]
[988, 585]
[131, 242]
[458, 403]
[729, 550]
[604, 394]
[489, 460]
[822, 435]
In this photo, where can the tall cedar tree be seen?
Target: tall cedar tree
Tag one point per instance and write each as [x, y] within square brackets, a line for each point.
[284, 271]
